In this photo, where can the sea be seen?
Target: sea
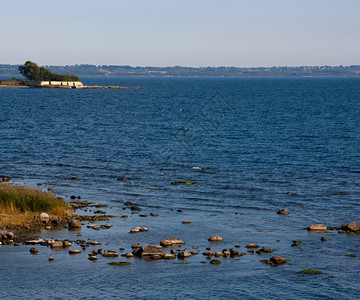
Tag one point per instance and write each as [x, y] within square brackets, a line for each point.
[244, 148]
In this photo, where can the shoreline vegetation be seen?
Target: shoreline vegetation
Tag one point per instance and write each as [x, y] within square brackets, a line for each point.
[178, 71]
[21, 207]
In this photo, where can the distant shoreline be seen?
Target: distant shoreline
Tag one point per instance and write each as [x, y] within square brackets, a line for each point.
[177, 71]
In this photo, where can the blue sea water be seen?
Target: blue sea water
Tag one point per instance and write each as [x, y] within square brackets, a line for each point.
[265, 143]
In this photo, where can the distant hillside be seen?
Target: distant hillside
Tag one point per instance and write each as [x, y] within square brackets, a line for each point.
[105, 70]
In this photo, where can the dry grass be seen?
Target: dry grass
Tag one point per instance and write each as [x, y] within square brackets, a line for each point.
[19, 205]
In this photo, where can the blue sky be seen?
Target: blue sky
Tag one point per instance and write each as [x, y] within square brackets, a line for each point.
[196, 33]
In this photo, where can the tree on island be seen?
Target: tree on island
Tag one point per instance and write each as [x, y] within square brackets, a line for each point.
[32, 71]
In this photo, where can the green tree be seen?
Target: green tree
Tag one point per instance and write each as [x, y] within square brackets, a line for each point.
[32, 71]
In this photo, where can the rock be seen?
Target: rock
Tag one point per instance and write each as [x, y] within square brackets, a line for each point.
[129, 255]
[144, 229]
[215, 262]
[309, 271]
[95, 243]
[324, 239]
[264, 250]
[47, 227]
[136, 246]
[5, 178]
[278, 260]
[34, 250]
[152, 251]
[317, 227]
[122, 179]
[74, 224]
[135, 208]
[215, 238]
[34, 242]
[354, 227]
[134, 230]
[251, 246]
[171, 241]
[110, 253]
[74, 251]
[50, 258]
[93, 226]
[93, 253]
[169, 256]
[194, 252]
[283, 212]
[183, 254]
[119, 263]
[208, 253]
[93, 257]
[44, 217]
[226, 252]
[219, 254]
[56, 244]
[186, 222]
[66, 244]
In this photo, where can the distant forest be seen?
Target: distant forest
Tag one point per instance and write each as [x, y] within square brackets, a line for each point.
[109, 70]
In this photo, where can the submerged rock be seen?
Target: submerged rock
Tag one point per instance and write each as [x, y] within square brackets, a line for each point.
[283, 212]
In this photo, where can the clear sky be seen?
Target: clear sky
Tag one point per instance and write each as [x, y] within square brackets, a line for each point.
[246, 33]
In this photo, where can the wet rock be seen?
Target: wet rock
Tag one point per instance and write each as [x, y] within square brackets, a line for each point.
[74, 224]
[122, 179]
[186, 222]
[136, 246]
[219, 254]
[264, 250]
[215, 262]
[283, 212]
[106, 226]
[34, 242]
[352, 227]
[278, 260]
[56, 244]
[66, 244]
[317, 227]
[5, 178]
[194, 252]
[135, 230]
[93, 226]
[44, 217]
[183, 254]
[152, 251]
[74, 251]
[226, 252]
[252, 246]
[93, 258]
[135, 208]
[50, 258]
[208, 253]
[93, 253]
[215, 238]
[171, 241]
[169, 256]
[34, 250]
[95, 243]
[110, 253]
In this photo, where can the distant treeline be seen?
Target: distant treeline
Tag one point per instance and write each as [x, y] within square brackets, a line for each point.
[109, 70]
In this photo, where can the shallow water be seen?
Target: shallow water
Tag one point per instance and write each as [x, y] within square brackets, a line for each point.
[260, 139]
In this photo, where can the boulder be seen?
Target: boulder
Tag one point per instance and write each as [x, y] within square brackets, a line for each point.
[215, 238]
[171, 241]
[317, 227]
[74, 224]
[44, 217]
[152, 251]
[354, 227]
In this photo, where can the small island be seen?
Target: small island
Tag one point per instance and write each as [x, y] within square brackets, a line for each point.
[41, 77]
